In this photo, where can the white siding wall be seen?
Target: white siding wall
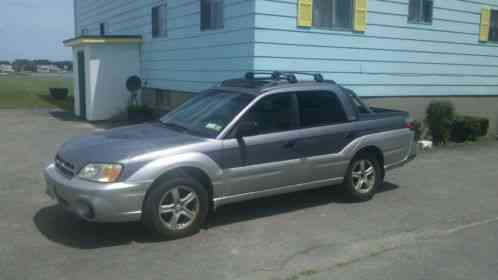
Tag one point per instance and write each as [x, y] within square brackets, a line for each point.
[187, 59]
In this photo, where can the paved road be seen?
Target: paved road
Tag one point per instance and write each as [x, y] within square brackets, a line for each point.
[437, 218]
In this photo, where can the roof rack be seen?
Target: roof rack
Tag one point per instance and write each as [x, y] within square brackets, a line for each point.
[290, 76]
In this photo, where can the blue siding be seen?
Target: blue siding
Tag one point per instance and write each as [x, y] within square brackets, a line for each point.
[393, 57]
[187, 59]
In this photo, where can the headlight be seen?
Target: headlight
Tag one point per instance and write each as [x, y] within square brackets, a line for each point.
[102, 173]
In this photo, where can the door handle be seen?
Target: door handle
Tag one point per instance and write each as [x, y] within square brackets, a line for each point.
[289, 145]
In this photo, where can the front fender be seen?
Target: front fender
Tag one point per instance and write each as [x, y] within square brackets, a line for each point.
[154, 169]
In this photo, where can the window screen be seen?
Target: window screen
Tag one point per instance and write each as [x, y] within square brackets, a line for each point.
[493, 28]
[420, 11]
[159, 21]
[333, 13]
[212, 14]
[320, 108]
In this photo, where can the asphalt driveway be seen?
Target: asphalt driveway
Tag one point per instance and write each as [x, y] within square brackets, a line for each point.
[436, 218]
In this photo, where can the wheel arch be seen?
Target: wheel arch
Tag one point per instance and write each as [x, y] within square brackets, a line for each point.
[191, 171]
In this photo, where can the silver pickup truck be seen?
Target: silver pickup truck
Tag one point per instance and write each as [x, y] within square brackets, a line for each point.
[261, 135]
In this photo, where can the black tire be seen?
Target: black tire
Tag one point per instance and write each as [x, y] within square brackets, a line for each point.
[155, 221]
[351, 180]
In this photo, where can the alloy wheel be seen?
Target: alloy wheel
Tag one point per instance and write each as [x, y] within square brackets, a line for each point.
[179, 208]
[363, 176]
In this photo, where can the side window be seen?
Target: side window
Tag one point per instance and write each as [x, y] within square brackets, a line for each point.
[333, 13]
[319, 108]
[420, 11]
[159, 21]
[212, 14]
[275, 113]
[493, 27]
[104, 28]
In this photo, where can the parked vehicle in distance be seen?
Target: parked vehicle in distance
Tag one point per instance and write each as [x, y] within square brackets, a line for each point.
[261, 135]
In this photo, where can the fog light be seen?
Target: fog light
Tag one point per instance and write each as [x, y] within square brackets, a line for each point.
[85, 210]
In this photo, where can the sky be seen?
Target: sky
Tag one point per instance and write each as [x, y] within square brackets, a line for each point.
[35, 29]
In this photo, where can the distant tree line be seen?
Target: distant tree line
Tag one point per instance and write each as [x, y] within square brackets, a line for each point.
[21, 65]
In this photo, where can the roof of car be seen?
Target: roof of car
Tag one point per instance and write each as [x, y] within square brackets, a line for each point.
[253, 85]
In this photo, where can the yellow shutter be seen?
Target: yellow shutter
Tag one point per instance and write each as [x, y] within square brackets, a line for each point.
[305, 13]
[360, 15]
[485, 24]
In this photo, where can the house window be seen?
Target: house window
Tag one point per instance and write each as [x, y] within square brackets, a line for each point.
[159, 21]
[212, 14]
[103, 29]
[420, 11]
[493, 26]
[84, 31]
[333, 13]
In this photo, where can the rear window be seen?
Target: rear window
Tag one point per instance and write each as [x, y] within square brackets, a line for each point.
[320, 108]
[361, 107]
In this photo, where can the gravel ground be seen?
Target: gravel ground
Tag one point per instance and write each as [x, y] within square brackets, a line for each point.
[436, 218]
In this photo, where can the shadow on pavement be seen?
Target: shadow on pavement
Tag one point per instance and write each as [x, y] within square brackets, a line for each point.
[68, 116]
[64, 228]
[285, 203]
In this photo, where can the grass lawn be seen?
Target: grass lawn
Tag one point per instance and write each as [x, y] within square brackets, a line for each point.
[31, 91]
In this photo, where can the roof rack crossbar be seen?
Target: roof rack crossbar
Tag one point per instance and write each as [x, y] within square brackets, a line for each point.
[274, 75]
[316, 76]
[290, 76]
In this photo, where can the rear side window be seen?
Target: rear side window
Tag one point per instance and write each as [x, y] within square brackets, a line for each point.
[320, 108]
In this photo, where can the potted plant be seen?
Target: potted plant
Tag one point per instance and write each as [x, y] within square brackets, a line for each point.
[59, 93]
[140, 113]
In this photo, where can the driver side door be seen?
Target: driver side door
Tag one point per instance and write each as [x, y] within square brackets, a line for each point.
[268, 158]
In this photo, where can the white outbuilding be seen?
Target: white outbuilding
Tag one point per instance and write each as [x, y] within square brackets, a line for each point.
[102, 64]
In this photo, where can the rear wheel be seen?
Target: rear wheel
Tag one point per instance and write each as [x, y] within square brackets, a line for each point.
[176, 207]
[363, 177]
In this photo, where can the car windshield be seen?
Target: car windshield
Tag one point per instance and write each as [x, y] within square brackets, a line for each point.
[208, 113]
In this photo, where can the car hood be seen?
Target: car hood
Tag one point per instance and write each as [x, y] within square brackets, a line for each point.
[119, 144]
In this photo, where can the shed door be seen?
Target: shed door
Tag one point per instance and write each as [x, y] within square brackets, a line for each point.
[82, 83]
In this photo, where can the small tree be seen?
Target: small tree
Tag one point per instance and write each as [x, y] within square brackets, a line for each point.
[440, 117]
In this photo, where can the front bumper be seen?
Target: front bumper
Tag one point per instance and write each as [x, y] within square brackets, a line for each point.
[117, 202]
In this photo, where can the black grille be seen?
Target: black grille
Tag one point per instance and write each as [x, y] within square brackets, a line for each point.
[66, 168]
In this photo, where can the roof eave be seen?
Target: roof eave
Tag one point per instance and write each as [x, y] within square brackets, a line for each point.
[93, 40]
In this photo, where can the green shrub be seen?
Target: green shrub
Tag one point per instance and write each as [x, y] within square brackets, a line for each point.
[484, 124]
[468, 128]
[440, 116]
[418, 129]
[138, 114]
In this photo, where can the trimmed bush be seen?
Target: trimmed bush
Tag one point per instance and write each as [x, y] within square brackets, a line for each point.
[440, 116]
[59, 93]
[484, 124]
[417, 127]
[138, 114]
[468, 128]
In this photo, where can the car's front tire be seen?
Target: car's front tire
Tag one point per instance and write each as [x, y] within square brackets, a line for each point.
[176, 207]
[363, 178]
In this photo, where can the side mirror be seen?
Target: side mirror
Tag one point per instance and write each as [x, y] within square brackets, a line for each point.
[247, 128]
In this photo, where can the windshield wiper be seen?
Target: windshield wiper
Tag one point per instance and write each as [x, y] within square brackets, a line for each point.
[175, 126]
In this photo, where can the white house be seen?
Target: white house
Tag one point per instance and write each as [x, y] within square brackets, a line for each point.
[6, 68]
[400, 53]
[47, 68]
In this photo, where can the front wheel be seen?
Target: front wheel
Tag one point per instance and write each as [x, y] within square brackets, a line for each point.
[363, 178]
[176, 208]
